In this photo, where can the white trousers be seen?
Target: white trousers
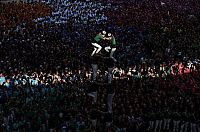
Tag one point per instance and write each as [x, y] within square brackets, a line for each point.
[97, 48]
[176, 126]
[94, 71]
[158, 125]
[184, 127]
[193, 127]
[109, 102]
[166, 124]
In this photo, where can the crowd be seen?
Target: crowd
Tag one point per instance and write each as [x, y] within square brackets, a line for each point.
[45, 69]
[14, 14]
[76, 12]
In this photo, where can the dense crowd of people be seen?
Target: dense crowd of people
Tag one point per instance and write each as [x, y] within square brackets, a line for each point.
[77, 12]
[45, 68]
[15, 14]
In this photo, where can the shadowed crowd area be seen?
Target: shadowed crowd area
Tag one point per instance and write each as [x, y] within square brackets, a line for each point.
[15, 13]
[46, 73]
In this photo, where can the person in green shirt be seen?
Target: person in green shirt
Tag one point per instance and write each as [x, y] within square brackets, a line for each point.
[111, 47]
[98, 38]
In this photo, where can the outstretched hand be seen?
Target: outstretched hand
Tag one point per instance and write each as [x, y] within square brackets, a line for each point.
[107, 38]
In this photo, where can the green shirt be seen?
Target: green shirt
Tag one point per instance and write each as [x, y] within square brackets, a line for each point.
[113, 41]
[98, 37]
